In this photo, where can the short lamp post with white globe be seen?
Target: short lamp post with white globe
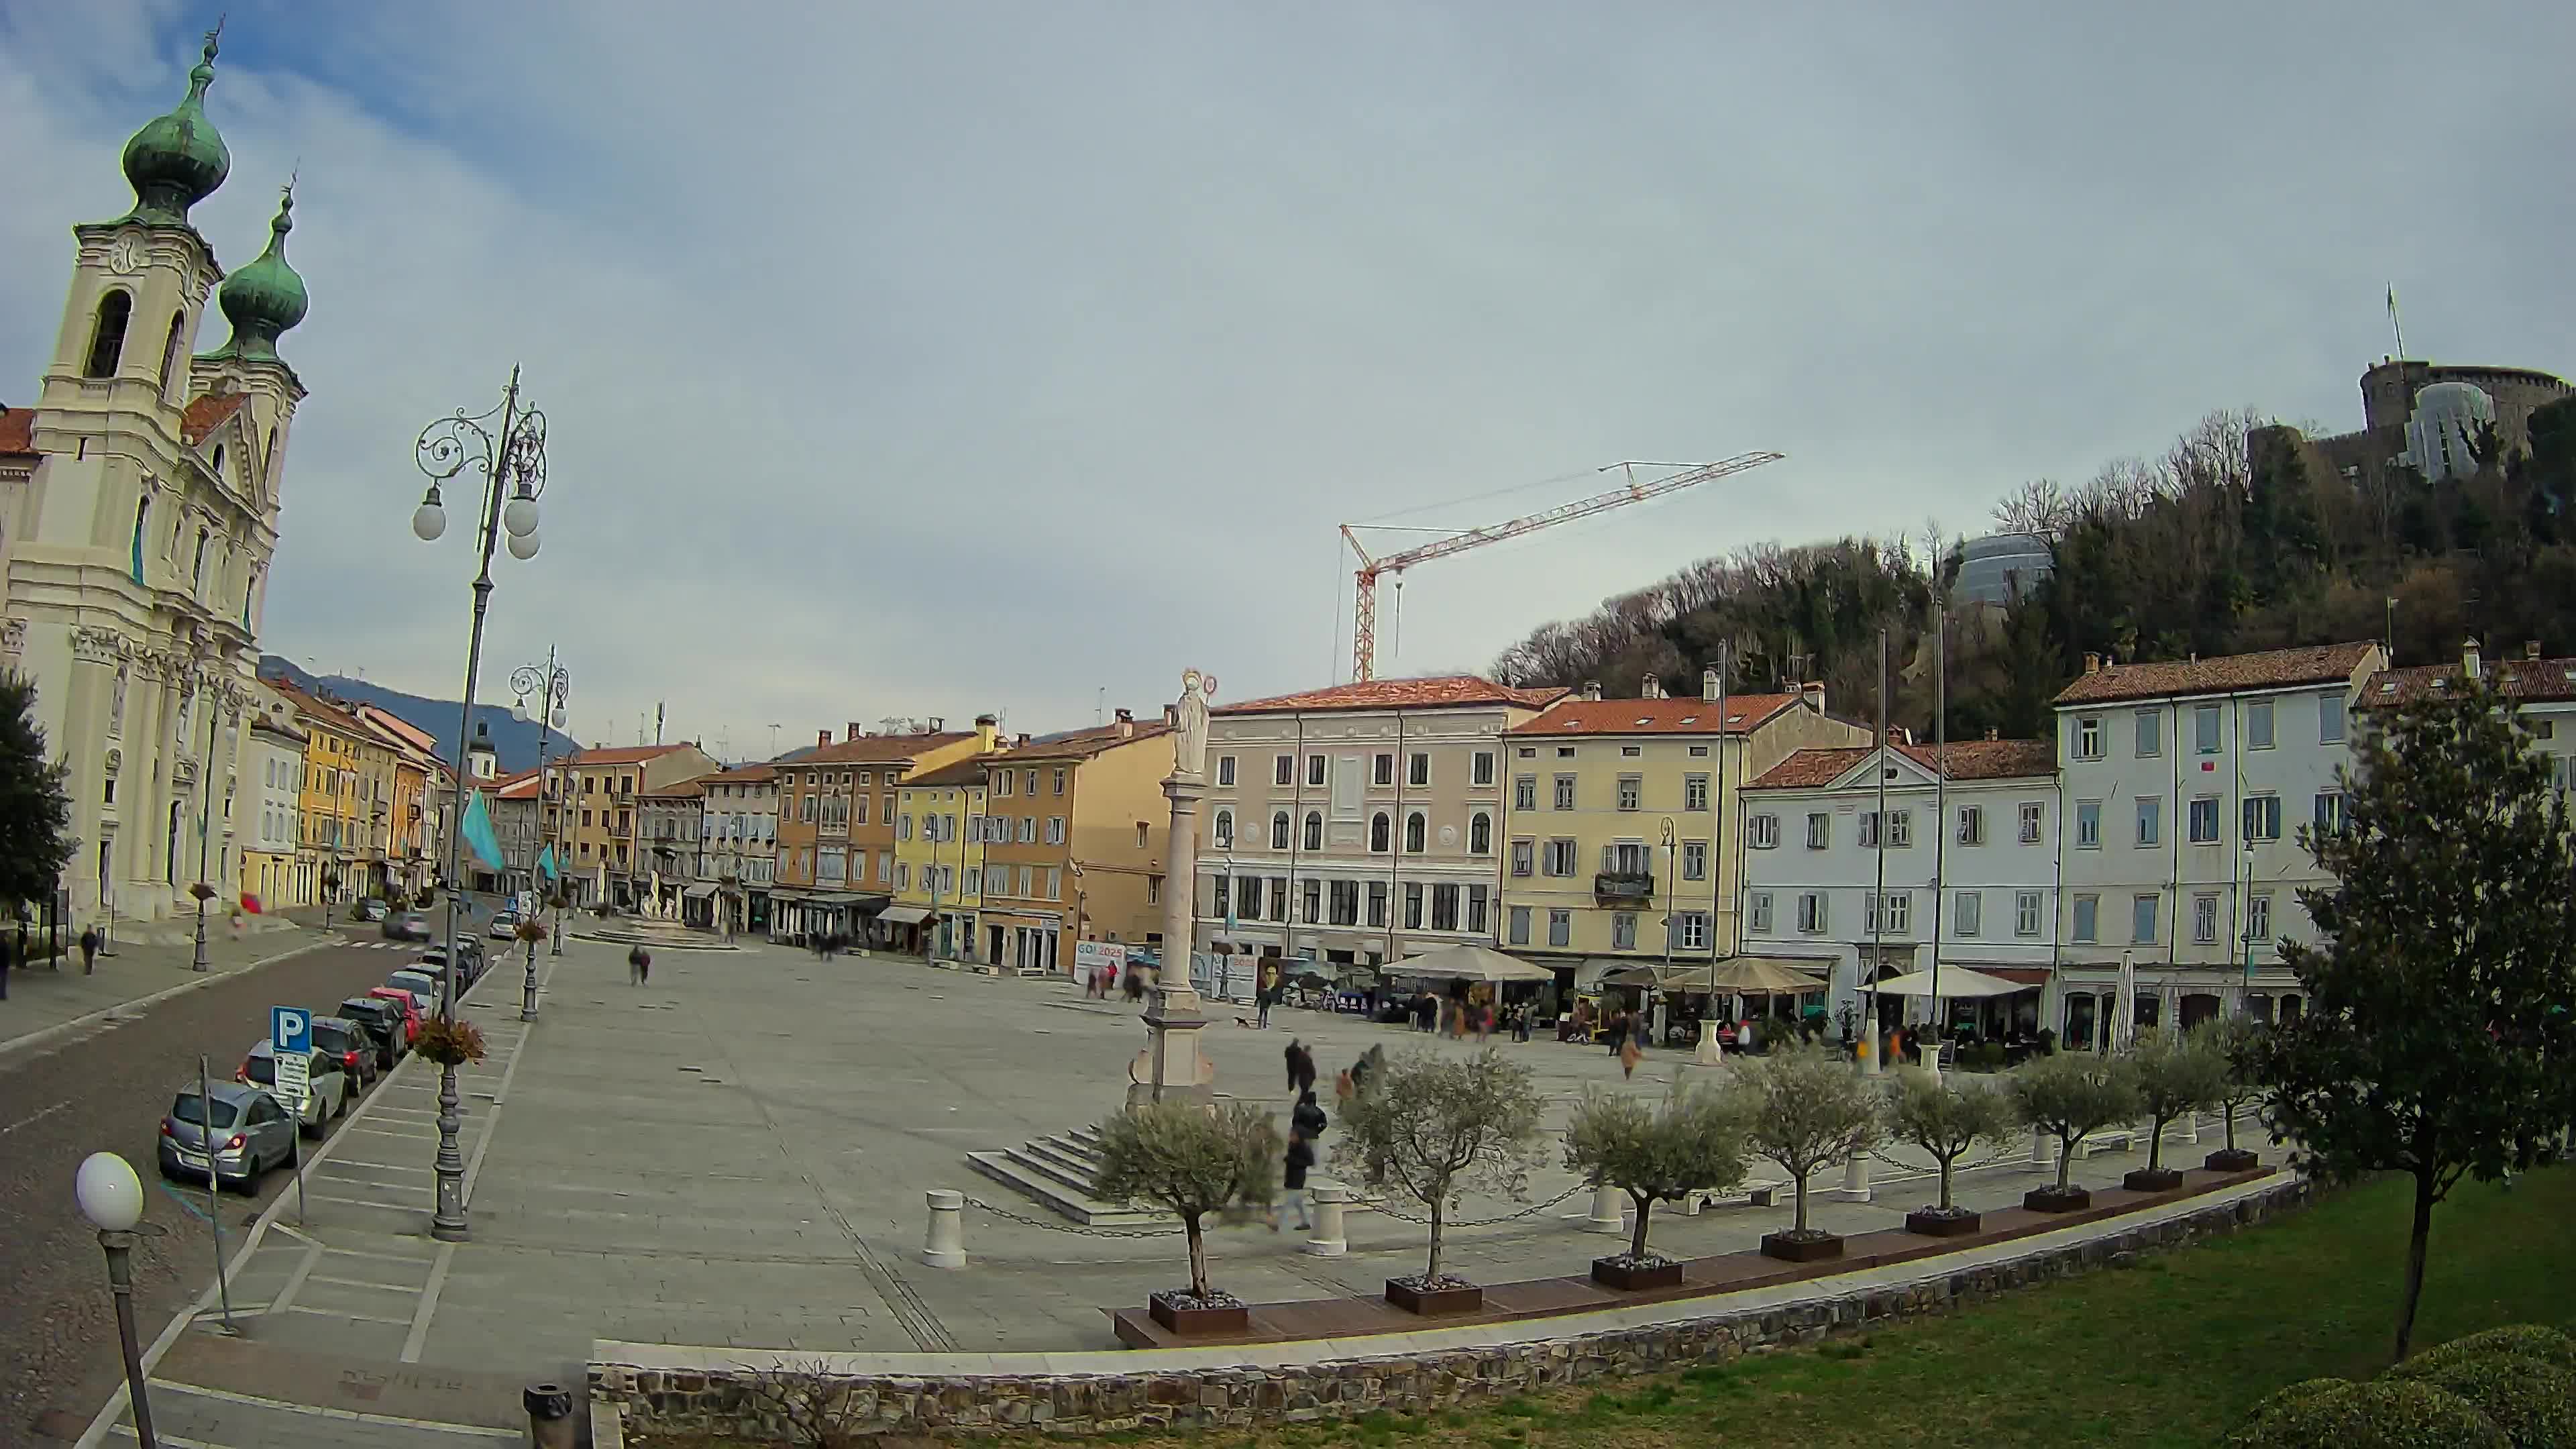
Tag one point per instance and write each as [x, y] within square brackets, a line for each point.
[507, 445]
[111, 1197]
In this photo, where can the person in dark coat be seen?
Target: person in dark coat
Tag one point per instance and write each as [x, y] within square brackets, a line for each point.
[89, 950]
[639, 966]
[1301, 1068]
[1292, 1182]
[1308, 1120]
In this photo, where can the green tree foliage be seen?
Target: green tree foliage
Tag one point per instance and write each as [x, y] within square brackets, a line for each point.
[1191, 1160]
[2175, 1073]
[1691, 1143]
[2532, 1400]
[2238, 1044]
[2437, 1039]
[1805, 1110]
[2381, 1414]
[1947, 1118]
[2071, 1094]
[2235, 539]
[35, 815]
[1434, 1126]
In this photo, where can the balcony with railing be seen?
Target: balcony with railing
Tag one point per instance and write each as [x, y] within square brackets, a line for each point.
[1623, 887]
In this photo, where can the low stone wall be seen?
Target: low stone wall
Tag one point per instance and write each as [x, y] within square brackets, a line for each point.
[717, 1398]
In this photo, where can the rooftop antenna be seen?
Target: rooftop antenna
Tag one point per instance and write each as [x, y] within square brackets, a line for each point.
[657, 721]
[773, 739]
[1100, 707]
[2394, 324]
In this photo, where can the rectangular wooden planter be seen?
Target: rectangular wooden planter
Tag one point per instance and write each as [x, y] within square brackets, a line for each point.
[1930, 1224]
[2163, 1179]
[1191, 1321]
[1612, 1273]
[2050, 1200]
[2231, 1159]
[1438, 1301]
[1801, 1250]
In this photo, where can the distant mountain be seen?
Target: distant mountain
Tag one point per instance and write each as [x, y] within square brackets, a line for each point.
[514, 740]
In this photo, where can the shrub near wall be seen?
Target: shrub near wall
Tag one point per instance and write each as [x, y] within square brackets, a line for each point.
[713, 1398]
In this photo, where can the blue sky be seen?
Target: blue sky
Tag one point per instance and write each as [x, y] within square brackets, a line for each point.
[922, 360]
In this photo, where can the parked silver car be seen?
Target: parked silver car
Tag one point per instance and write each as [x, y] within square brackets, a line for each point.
[326, 1093]
[422, 986]
[251, 1134]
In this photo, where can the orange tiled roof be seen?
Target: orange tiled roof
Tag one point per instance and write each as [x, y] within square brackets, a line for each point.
[17, 430]
[619, 755]
[963, 772]
[1691, 716]
[521, 786]
[682, 789]
[745, 775]
[877, 749]
[207, 412]
[2271, 669]
[2526, 679]
[1969, 760]
[1435, 692]
[1083, 744]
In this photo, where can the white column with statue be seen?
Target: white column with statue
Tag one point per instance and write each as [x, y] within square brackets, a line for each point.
[1172, 1063]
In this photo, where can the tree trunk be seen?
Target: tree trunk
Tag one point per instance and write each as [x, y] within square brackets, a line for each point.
[2065, 1159]
[1431, 1274]
[1198, 1255]
[2418, 1237]
[1947, 1163]
[1801, 1225]
[1637, 1244]
[2156, 1142]
[2230, 1109]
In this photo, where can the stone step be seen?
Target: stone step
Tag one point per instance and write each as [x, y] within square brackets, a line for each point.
[1066, 1201]
[1037, 1157]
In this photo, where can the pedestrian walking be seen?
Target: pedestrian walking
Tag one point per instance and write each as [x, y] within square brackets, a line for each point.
[1292, 1181]
[639, 966]
[1628, 1055]
[89, 950]
[1307, 1119]
[1261, 1003]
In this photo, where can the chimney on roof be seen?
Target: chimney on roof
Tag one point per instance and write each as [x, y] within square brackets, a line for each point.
[1651, 687]
[1592, 690]
[2469, 657]
[1990, 732]
[1814, 691]
[2530, 648]
[2092, 662]
[853, 731]
[1126, 724]
[1171, 716]
[822, 738]
[1708, 687]
[938, 725]
[1020, 742]
[988, 732]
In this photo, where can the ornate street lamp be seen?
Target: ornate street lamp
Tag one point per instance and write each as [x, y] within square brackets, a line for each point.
[111, 1197]
[507, 445]
[553, 686]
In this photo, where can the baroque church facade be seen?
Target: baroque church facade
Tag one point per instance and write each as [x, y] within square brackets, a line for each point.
[138, 516]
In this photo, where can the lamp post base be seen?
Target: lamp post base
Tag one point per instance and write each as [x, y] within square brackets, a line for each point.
[448, 1223]
[120, 1281]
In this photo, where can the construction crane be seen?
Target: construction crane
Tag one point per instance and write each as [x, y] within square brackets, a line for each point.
[1364, 614]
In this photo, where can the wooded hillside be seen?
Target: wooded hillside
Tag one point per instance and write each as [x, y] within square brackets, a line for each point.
[2204, 550]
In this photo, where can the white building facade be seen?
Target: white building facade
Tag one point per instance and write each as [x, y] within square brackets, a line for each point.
[1342, 824]
[1963, 871]
[273, 820]
[2185, 784]
[138, 515]
[741, 843]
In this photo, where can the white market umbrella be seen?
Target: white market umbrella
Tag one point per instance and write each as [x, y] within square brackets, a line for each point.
[1957, 983]
[1467, 963]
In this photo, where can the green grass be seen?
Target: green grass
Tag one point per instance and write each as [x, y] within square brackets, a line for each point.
[2170, 1352]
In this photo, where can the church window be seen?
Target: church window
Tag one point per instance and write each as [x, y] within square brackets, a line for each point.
[197, 571]
[142, 512]
[107, 339]
[170, 350]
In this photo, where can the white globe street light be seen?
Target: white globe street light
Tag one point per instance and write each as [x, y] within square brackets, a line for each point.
[429, 520]
[523, 546]
[519, 515]
[111, 1197]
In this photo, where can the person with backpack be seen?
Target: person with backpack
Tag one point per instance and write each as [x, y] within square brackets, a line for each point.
[1308, 1120]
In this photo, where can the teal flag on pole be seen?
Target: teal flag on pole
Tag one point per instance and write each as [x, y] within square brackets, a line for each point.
[479, 832]
[546, 862]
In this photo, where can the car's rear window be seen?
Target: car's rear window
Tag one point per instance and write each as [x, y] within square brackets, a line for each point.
[185, 1108]
[262, 1069]
[333, 1039]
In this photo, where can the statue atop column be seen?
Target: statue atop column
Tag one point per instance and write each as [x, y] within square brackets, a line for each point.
[1172, 1063]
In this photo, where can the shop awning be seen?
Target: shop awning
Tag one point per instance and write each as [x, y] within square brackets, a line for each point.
[700, 891]
[903, 915]
[1467, 963]
[1958, 983]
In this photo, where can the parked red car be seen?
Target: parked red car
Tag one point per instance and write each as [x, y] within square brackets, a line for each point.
[403, 1001]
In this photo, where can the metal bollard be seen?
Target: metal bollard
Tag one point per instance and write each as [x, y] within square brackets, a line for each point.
[945, 1245]
[2041, 1158]
[550, 1420]
[1331, 1239]
[1609, 1211]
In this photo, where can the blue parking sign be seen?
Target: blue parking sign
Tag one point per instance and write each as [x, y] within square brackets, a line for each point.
[290, 1030]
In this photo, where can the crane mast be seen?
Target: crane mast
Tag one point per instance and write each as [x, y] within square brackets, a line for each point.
[1364, 612]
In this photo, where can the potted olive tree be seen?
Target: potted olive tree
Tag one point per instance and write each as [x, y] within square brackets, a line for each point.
[1191, 1160]
[1946, 1118]
[1691, 1143]
[2174, 1074]
[2068, 1096]
[1432, 1127]
[2237, 1042]
[1804, 1110]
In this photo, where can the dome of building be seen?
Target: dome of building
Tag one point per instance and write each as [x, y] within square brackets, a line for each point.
[1994, 568]
[2448, 422]
[266, 298]
[178, 160]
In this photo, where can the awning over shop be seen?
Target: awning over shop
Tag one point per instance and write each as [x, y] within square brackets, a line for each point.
[1958, 983]
[903, 915]
[700, 891]
[1735, 976]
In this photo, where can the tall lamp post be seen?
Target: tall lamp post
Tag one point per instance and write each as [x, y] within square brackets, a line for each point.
[554, 686]
[507, 445]
[111, 1197]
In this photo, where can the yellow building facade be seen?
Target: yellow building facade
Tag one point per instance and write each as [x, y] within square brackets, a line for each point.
[1618, 821]
[939, 860]
[331, 826]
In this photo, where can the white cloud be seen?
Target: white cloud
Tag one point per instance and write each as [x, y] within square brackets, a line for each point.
[921, 361]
